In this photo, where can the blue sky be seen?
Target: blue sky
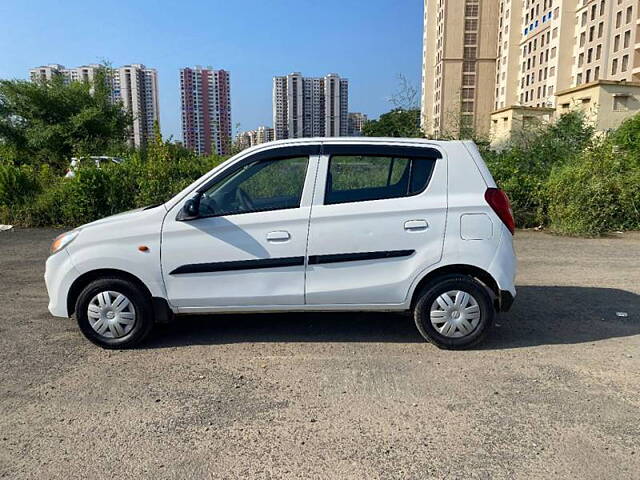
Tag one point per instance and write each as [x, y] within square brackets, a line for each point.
[368, 41]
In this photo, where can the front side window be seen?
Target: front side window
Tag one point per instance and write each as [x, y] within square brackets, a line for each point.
[358, 178]
[259, 186]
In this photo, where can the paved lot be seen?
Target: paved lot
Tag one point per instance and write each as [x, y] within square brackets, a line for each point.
[553, 393]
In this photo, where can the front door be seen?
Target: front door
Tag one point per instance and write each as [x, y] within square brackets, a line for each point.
[248, 246]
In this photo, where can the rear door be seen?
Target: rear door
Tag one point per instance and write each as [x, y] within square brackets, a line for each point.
[378, 218]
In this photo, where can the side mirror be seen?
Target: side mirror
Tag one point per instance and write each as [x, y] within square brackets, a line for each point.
[190, 210]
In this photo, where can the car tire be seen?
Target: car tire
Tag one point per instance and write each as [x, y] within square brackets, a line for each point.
[452, 320]
[114, 313]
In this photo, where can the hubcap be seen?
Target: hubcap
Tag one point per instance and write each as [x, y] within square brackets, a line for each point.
[111, 314]
[455, 314]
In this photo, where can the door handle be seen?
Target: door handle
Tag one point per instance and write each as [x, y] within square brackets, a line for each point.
[415, 225]
[278, 236]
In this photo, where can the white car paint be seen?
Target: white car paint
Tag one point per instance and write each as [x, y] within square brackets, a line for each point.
[449, 223]
[371, 226]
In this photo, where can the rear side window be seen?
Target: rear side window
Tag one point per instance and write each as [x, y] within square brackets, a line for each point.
[357, 178]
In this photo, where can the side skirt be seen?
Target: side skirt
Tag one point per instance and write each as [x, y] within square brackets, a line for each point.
[400, 307]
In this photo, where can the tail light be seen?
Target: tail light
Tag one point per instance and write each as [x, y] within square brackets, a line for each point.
[499, 201]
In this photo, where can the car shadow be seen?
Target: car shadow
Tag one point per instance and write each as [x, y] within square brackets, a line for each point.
[565, 315]
[540, 316]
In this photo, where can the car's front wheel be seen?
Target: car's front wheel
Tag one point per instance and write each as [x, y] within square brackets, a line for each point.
[114, 313]
[454, 312]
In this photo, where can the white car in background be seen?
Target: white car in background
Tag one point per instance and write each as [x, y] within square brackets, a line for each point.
[75, 163]
[331, 224]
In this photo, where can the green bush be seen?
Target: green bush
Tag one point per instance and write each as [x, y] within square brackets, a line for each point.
[627, 136]
[595, 193]
[87, 195]
[45, 210]
[40, 197]
[521, 179]
[17, 184]
[159, 178]
[522, 168]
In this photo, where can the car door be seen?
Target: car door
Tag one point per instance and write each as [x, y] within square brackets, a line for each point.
[247, 248]
[378, 219]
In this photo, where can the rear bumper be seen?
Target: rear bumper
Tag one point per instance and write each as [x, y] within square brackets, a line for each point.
[503, 269]
[505, 301]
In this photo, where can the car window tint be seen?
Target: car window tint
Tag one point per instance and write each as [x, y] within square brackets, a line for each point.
[362, 178]
[421, 169]
[259, 186]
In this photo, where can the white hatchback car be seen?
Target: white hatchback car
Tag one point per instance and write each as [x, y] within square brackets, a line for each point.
[331, 224]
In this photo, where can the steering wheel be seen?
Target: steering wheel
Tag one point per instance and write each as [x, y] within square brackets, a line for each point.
[243, 199]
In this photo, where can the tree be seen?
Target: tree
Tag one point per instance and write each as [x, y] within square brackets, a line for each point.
[396, 123]
[403, 120]
[406, 96]
[50, 121]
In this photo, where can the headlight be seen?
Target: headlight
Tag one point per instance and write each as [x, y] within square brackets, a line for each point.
[63, 240]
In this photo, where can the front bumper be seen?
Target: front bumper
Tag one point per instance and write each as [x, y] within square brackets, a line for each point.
[59, 275]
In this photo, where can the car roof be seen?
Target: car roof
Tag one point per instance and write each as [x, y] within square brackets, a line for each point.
[390, 141]
[359, 140]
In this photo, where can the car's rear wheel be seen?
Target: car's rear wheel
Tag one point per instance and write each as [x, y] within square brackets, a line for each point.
[114, 313]
[454, 312]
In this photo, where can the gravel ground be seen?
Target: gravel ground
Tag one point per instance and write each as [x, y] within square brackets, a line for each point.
[552, 393]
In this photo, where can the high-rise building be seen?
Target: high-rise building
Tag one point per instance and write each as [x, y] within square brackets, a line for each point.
[206, 110]
[558, 55]
[606, 35]
[134, 86]
[244, 140]
[357, 121]
[264, 134]
[254, 137]
[551, 57]
[459, 65]
[507, 62]
[46, 72]
[49, 72]
[84, 73]
[310, 107]
[545, 56]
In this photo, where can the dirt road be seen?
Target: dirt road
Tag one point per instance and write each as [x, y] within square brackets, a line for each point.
[552, 393]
